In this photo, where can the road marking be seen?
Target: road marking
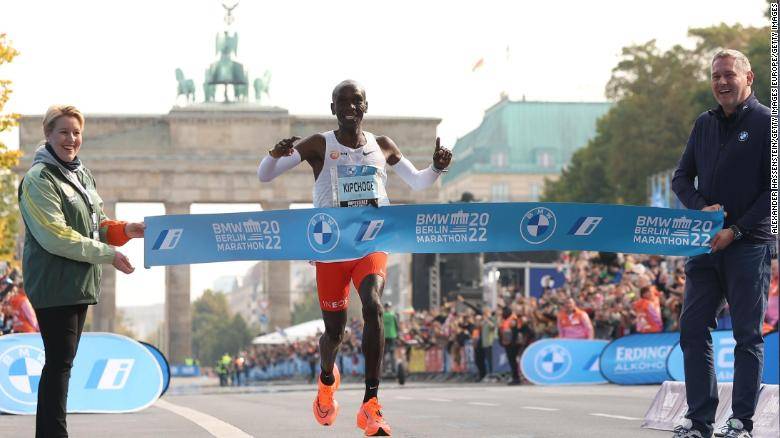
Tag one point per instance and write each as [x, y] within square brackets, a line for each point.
[213, 425]
[483, 404]
[618, 417]
[439, 399]
[537, 408]
[403, 397]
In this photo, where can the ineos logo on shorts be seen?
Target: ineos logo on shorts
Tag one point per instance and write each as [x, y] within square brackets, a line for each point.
[22, 365]
[323, 233]
[537, 225]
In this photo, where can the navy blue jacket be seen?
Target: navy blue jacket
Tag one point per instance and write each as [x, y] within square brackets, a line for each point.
[730, 156]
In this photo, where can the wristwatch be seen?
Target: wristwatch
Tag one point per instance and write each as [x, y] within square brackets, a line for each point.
[737, 233]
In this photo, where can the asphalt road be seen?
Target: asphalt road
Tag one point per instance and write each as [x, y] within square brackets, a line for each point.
[416, 410]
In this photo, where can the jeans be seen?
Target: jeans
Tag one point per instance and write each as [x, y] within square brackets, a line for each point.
[740, 275]
[61, 329]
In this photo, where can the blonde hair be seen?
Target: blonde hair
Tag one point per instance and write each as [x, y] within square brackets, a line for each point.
[740, 60]
[55, 112]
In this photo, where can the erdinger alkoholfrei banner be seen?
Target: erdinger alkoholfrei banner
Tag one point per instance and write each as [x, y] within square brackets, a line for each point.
[111, 374]
[563, 362]
[638, 359]
[723, 344]
[344, 233]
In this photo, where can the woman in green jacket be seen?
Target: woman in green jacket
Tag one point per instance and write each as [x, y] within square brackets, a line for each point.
[68, 237]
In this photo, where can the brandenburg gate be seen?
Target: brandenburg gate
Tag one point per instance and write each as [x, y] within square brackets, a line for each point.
[208, 153]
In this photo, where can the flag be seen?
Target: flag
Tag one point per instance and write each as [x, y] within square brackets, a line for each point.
[478, 64]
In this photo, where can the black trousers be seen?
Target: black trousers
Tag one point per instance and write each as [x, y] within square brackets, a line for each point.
[511, 355]
[61, 329]
[740, 274]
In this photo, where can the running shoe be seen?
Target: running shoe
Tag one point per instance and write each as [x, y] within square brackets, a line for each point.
[369, 418]
[325, 407]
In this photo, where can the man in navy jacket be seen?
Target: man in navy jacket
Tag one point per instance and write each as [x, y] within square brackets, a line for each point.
[728, 151]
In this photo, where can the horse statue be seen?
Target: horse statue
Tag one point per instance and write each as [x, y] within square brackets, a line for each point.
[262, 86]
[186, 86]
[241, 91]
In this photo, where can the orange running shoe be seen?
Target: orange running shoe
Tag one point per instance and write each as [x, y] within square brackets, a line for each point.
[369, 418]
[325, 407]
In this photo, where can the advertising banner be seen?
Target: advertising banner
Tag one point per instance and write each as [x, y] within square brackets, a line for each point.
[723, 351]
[164, 366]
[342, 233]
[638, 359]
[563, 361]
[111, 374]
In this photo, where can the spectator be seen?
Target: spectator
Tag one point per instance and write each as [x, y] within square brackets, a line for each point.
[573, 322]
[508, 336]
[648, 312]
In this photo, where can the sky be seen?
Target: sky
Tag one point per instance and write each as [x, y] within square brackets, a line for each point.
[415, 58]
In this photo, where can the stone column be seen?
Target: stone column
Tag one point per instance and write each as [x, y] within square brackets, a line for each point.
[278, 282]
[177, 302]
[104, 313]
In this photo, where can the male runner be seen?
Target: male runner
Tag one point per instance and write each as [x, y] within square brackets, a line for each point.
[339, 158]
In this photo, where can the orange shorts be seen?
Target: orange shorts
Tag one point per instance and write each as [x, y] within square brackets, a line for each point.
[333, 278]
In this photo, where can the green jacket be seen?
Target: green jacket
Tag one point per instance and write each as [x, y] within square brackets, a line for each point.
[61, 262]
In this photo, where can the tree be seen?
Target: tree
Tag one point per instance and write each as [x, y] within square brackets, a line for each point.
[214, 332]
[657, 97]
[8, 159]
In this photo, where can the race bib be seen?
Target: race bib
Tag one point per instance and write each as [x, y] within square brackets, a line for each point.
[357, 185]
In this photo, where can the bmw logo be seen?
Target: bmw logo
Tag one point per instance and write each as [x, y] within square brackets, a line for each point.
[743, 136]
[552, 362]
[323, 233]
[22, 365]
[538, 225]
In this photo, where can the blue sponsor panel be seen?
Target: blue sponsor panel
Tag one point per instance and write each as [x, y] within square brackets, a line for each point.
[341, 233]
[723, 352]
[638, 359]
[563, 362]
[185, 370]
[111, 374]
[165, 368]
[771, 358]
[539, 278]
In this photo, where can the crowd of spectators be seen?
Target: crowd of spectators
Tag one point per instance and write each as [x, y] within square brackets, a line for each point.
[16, 313]
[605, 296]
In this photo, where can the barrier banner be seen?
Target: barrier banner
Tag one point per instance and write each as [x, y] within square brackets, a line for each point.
[417, 360]
[723, 351]
[111, 374]
[771, 374]
[185, 370]
[637, 359]
[500, 362]
[343, 233]
[164, 366]
[563, 361]
[434, 360]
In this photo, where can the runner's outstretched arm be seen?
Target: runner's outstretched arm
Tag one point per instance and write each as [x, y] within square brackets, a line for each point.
[416, 179]
[280, 159]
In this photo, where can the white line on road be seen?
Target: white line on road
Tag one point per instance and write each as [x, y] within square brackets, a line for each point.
[537, 408]
[214, 426]
[618, 417]
[483, 404]
[439, 399]
[403, 397]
